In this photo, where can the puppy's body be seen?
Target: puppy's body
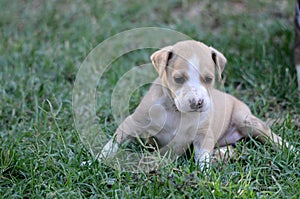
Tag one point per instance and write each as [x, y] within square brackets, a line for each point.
[183, 108]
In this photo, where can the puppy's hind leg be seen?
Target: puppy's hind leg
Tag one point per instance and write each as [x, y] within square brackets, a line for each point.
[261, 130]
[248, 124]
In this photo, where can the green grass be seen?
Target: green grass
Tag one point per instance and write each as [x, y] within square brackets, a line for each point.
[42, 45]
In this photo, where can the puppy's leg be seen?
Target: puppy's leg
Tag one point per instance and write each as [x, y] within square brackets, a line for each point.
[248, 124]
[204, 145]
[111, 148]
[127, 130]
[260, 130]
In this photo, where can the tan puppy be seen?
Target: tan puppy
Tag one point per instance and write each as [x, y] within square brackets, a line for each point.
[182, 107]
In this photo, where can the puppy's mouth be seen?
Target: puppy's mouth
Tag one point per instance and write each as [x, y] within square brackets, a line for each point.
[200, 110]
[191, 106]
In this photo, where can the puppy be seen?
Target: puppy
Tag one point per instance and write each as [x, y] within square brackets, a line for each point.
[182, 108]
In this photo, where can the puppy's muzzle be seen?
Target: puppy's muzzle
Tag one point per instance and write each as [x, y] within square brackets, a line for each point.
[192, 98]
[196, 105]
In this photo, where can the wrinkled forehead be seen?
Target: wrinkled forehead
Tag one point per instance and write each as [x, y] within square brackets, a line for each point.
[199, 62]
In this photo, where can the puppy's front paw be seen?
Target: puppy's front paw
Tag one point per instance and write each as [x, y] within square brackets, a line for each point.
[109, 150]
[203, 159]
[204, 166]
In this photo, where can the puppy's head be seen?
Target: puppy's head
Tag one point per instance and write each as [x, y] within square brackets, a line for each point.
[188, 70]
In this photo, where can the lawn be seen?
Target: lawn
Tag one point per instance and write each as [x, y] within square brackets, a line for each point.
[43, 45]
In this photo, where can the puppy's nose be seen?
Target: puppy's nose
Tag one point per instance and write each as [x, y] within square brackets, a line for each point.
[195, 105]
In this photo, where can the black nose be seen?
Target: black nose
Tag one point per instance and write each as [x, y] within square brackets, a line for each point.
[196, 104]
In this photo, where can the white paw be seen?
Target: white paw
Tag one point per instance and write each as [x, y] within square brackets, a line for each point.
[204, 166]
[109, 150]
[203, 158]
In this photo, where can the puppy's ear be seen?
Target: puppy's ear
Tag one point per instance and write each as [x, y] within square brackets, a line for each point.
[219, 60]
[161, 58]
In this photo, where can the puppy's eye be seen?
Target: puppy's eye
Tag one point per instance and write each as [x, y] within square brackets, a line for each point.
[179, 80]
[208, 80]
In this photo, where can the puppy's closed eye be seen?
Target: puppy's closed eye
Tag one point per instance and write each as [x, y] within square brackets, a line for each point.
[208, 79]
[179, 79]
